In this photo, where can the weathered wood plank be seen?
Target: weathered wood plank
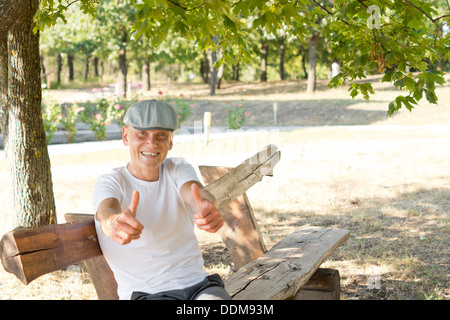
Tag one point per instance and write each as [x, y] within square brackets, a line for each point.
[101, 274]
[323, 285]
[228, 187]
[30, 253]
[240, 232]
[287, 266]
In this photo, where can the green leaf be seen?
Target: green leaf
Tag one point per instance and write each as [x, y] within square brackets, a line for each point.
[431, 96]
[336, 81]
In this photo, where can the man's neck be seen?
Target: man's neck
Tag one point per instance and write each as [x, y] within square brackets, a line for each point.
[145, 174]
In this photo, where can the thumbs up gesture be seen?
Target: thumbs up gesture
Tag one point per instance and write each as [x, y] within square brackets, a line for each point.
[122, 227]
[206, 215]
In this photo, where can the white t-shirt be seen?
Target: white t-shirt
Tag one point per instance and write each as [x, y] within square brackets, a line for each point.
[167, 255]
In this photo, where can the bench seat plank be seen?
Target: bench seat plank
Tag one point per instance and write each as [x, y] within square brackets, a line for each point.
[29, 253]
[287, 266]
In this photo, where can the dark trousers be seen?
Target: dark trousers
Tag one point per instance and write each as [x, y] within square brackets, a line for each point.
[211, 288]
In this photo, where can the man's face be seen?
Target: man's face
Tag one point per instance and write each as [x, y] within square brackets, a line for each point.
[148, 150]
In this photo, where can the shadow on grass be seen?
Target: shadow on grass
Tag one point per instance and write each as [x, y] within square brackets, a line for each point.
[407, 237]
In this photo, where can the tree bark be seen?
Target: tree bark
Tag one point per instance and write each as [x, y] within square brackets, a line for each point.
[4, 86]
[10, 12]
[26, 145]
[311, 85]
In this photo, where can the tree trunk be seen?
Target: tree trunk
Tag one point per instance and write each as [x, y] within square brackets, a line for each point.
[213, 73]
[281, 42]
[204, 68]
[44, 72]
[264, 55]
[26, 146]
[70, 65]
[122, 77]
[305, 76]
[59, 62]
[86, 70]
[4, 86]
[235, 72]
[220, 76]
[220, 71]
[146, 75]
[96, 67]
[10, 12]
[311, 85]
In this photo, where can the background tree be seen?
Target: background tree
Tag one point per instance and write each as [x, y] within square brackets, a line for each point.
[22, 126]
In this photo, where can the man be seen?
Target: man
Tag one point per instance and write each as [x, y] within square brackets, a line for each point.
[146, 210]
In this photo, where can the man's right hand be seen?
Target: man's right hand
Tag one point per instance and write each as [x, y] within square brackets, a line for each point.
[121, 227]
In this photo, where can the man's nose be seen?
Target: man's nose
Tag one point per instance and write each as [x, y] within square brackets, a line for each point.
[151, 139]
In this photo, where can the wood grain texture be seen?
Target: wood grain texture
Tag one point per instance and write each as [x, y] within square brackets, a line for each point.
[98, 268]
[287, 266]
[231, 185]
[30, 253]
[240, 232]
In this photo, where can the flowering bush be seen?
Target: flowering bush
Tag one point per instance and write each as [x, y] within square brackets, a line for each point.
[50, 117]
[69, 120]
[98, 117]
[181, 105]
[236, 116]
[118, 109]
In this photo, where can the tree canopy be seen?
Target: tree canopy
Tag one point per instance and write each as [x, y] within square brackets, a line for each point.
[391, 36]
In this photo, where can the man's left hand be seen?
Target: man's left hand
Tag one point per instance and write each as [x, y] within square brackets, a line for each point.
[206, 215]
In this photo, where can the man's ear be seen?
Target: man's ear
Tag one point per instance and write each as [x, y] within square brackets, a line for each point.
[125, 135]
[171, 141]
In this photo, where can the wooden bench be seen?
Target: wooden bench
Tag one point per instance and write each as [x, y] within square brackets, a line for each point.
[289, 270]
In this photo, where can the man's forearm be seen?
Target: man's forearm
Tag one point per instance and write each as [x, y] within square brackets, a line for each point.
[107, 212]
[186, 193]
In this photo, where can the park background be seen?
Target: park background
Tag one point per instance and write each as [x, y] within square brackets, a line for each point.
[345, 162]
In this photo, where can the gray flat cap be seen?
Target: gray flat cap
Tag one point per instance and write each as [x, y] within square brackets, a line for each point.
[151, 115]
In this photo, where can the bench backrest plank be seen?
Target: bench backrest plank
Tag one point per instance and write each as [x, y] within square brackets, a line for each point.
[30, 253]
[101, 274]
[240, 232]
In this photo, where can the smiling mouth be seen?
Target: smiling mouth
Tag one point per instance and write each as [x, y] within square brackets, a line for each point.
[149, 154]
